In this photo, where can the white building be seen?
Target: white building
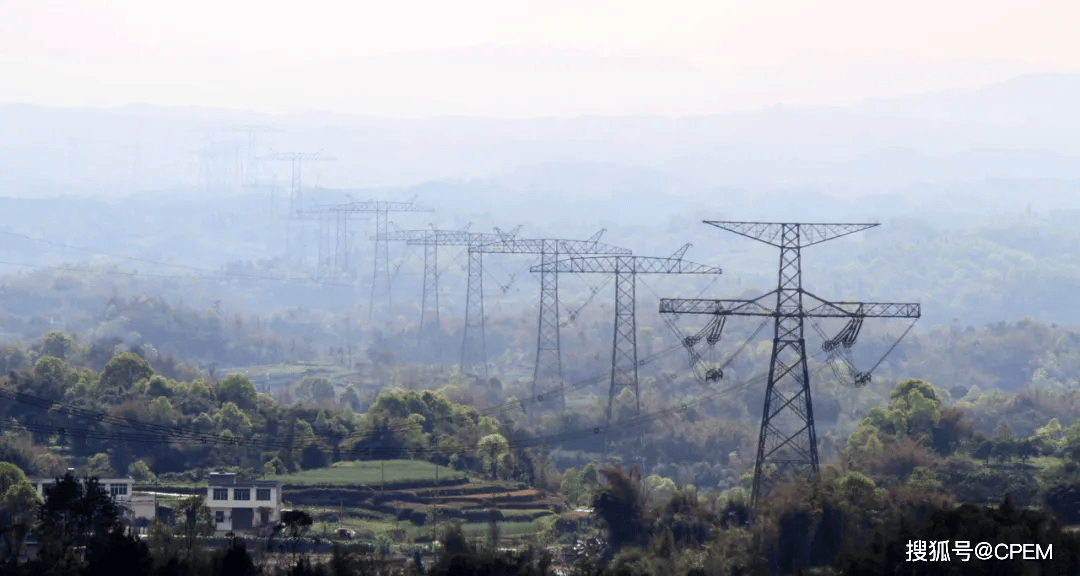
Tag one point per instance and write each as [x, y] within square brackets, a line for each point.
[132, 506]
[243, 506]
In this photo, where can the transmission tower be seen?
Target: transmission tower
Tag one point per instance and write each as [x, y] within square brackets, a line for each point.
[250, 173]
[296, 204]
[624, 358]
[217, 163]
[296, 184]
[548, 368]
[331, 240]
[473, 345]
[787, 441]
[431, 239]
[380, 283]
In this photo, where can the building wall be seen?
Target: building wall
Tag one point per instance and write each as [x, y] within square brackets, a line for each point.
[224, 503]
[132, 506]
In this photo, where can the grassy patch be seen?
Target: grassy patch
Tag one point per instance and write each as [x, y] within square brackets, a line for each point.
[369, 473]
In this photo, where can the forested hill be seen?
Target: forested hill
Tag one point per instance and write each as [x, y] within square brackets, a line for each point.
[997, 251]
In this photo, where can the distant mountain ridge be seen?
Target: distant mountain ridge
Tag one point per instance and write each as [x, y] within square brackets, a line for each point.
[1024, 128]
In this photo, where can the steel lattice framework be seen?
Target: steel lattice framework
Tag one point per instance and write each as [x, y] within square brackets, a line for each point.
[624, 358]
[548, 366]
[296, 184]
[296, 203]
[380, 282]
[473, 342]
[333, 239]
[787, 440]
[431, 239]
[251, 173]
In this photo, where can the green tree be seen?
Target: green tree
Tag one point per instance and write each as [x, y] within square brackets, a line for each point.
[98, 465]
[230, 417]
[919, 406]
[314, 456]
[351, 398]
[159, 386]
[236, 388]
[19, 504]
[192, 520]
[857, 488]
[924, 479]
[140, 471]
[122, 372]
[621, 506]
[572, 487]
[203, 423]
[73, 513]
[57, 344]
[17, 358]
[52, 378]
[161, 411]
[490, 451]
[322, 390]
[661, 488]
[118, 552]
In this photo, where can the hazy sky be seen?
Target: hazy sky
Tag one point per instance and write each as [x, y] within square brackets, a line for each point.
[518, 57]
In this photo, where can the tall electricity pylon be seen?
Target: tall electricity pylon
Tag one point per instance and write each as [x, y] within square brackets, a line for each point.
[250, 171]
[332, 240]
[218, 163]
[431, 239]
[624, 358]
[473, 342]
[296, 201]
[380, 283]
[787, 441]
[548, 369]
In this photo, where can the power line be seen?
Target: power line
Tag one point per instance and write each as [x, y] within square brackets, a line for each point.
[788, 440]
[159, 434]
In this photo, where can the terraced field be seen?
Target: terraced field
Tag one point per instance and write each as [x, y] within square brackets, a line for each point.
[406, 508]
[371, 474]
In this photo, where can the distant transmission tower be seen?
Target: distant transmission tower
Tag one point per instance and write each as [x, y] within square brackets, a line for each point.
[380, 283]
[473, 342]
[296, 203]
[431, 239]
[250, 169]
[787, 441]
[548, 370]
[624, 358]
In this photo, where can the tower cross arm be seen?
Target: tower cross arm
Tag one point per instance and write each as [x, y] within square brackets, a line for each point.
[407, 235]
[457, 238]
[381, 206]
[631, 264]
[820, 308]
[296, 156]
[718, 307]
[538, 246]
[789, 235]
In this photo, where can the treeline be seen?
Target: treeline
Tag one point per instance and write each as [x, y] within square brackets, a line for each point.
[246, 430]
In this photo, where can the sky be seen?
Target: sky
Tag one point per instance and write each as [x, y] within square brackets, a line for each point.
[519, 58]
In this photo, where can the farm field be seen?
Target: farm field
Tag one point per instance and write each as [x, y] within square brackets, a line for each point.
[370, 473]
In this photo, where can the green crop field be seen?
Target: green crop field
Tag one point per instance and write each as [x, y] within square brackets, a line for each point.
[369, 473]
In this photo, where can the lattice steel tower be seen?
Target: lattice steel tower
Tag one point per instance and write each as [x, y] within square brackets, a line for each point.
[250, 171]
[548, 369]
[473, 342]
[431, 239]
[380, 282]
[787, 440]
[624, 359]
[296, 191]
